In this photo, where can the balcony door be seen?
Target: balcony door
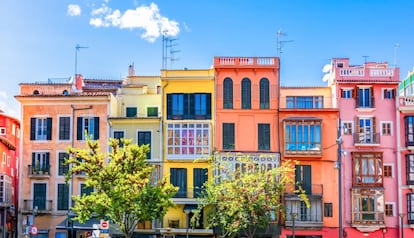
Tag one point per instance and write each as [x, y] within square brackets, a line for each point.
[39, 196]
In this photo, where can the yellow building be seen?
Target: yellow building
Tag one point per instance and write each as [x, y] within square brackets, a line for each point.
[55, 115]
[188, 126]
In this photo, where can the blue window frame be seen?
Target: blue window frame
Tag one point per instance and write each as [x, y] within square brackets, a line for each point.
[189, 106]
[303, 135]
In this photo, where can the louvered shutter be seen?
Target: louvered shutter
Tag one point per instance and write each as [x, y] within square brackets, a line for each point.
[96, 128]
[32, 128]
[49, 128]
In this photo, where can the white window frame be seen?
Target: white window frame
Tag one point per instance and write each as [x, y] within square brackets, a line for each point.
[347, 90]
[41, 131]
[89, 118]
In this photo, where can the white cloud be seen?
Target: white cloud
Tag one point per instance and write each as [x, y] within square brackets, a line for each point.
[146, 18]
[9, 105]
[74, 10]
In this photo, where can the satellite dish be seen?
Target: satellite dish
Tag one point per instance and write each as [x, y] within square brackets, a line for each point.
[327, 68]
[326, 77]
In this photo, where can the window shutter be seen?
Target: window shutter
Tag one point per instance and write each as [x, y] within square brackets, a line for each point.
[199, 178]
[169, 106]
[208, 106]
[307, 179]
[96, 128]
[32, 128]
[33, 159]
[49, 128]
[356, 94]
[79, 130]
[374, 126]
[357, 129]
[47, 160]
[189, 106]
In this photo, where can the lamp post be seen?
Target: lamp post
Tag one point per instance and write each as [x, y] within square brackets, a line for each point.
[293, 215]
[402, 215]
[187, 216]
[339, 167]
[70, 223]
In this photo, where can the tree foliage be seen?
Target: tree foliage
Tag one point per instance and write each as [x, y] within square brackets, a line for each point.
[248, 199]
[122, 183]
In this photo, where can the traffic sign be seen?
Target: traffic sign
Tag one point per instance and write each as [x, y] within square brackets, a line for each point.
[34, 230]
[104, 225]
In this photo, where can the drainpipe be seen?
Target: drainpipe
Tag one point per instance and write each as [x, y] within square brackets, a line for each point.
[399, 179]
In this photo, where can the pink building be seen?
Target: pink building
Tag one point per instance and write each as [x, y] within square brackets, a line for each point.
[366, 96]
[9, 174]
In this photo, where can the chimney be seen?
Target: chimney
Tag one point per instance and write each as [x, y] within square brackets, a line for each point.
[79, 82]
[131, 70]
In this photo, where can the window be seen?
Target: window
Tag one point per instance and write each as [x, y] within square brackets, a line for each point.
[131, 112]
[367, 169]
[246, 94]
[144, 138]
[388, 171]
[119, 135]
[327, 209]
[39, 196]
[178, 178]
[386, 128]
[85, 190]
[228, 136]
[303, 177]
[2, 131]
[40, 161]
[303, 136]
[228, 93]
[388, 93]
[346, 93]
[389, 209]
[41, 128]
[152, 111]
[409, 160]
[62, 167]
[364, 98]
[200, 176]
[347, 128]
[189, 106]
[409, 130]
[410, 208]
[264, 93]
[64, 128]
[263, 136]
[365, 129]
[88, 125]
[368, 206]
[304, 102]
[63, 197]
[191, 140]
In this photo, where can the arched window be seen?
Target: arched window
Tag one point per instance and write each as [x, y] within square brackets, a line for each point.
[65, 92]
[246, 94]
[35, 92]
[228, 93]
[264, 93]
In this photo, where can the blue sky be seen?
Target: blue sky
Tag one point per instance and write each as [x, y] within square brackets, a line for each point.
[38, 38]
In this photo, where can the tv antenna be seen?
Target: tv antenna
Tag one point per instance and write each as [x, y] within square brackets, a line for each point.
[280, 43]
[365, 58]
[77, 48]
[168, 50]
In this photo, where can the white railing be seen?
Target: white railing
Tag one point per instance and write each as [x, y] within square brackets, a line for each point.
[381, 72]
[351, 72]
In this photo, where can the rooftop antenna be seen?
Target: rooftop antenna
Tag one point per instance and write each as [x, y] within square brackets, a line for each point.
[164, 52]
[365, 58]
[396, 46]
[173, 51]
[168, 50]
[280, 43]
[77, 48]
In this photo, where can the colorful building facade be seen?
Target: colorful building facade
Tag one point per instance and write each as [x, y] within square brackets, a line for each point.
[56, 115]
[308, 122]
[10, 133]
[366, 96]
[188, 142]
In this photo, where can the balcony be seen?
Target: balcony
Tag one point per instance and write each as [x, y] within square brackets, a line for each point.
[367, 74]
[43, 206]
[246, 62]
[299, 148]
[186, 196]
[367, 139]
[38, 171]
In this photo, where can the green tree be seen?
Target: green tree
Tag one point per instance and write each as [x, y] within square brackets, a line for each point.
[248, 199]
[123, 191]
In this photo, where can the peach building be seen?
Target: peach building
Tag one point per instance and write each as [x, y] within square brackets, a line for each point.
[57, 114]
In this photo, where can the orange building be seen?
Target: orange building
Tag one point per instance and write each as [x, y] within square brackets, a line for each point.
[9, 175]
[57, 114]
[308, 124]
[247, 110]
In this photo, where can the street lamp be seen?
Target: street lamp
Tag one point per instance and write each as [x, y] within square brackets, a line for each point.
[402, 215]
[187, 216]
[70, 223]
[293, 215]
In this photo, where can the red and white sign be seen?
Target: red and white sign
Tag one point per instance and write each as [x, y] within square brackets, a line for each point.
[34, 230]
[104, 225]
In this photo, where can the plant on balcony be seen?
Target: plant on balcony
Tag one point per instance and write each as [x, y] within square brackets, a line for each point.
[247, 200]
[123, 191]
